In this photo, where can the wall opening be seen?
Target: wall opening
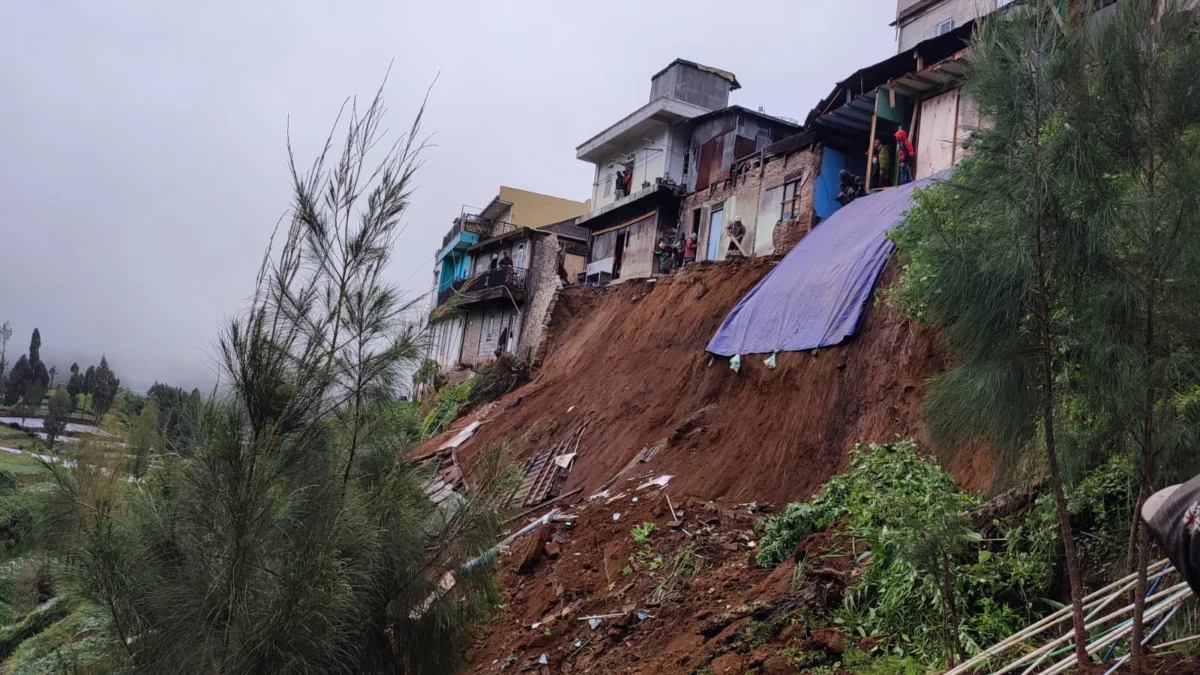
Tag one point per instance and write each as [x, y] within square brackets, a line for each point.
[618, 254]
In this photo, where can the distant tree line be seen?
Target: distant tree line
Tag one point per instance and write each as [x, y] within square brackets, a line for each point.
[27, 383]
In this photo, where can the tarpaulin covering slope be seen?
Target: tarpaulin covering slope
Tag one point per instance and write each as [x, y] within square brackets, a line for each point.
[816, 295]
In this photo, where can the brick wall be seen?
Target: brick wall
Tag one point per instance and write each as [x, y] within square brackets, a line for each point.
[543, 287]
[765, 235]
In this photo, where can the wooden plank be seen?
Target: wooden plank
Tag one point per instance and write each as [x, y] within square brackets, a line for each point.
[871, 150]
[630, 223]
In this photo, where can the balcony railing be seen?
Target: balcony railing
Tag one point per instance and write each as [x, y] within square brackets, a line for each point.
[512, 278]
[484, 227]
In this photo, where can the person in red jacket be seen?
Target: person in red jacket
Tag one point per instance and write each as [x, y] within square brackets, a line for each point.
[905, 156]
[689, 249]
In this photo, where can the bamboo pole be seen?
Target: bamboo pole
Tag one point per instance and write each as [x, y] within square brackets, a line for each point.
[871, 149]
[1043, 624]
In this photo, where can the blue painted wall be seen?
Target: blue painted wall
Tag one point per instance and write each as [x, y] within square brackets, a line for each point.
[828, 184]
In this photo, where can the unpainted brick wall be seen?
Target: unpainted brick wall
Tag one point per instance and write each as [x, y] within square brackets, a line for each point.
[747, 185]
[542, 284]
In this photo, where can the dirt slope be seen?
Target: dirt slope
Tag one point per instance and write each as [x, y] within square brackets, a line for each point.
[630, 361]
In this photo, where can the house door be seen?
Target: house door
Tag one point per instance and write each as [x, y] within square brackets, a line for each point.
[520, 257]
[714, 233]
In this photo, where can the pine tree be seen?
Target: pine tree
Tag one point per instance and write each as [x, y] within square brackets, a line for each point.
[89, 380]
[14, 387]
[1145, 333]
[75, 384]
[258, 551]
[105, 388]
[999, 249]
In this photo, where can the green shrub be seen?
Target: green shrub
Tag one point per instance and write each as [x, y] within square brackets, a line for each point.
[445, 408]
[33, 624]
[884, 482]
[498, 378]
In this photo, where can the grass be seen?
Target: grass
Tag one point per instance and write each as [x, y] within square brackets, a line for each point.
[15, 438]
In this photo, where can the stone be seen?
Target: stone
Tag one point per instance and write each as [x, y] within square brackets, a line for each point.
[553, 549]
[829, 638]
[728, 663]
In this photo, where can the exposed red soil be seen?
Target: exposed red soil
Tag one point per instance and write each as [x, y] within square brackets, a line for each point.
[629, 360]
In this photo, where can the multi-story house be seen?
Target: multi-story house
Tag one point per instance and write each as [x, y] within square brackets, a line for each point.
[919, 20]
[647, 162]
[496, 274]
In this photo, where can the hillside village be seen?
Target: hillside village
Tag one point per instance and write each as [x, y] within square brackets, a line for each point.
[687, 165]
[908, 384]
[707, 340]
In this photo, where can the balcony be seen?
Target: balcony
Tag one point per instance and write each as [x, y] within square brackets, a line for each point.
[481, 228]
[503, 282]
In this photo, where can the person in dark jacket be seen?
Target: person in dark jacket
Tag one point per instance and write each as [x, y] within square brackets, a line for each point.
[736, 231]
[906, 157]
[1173, 517]
[506, 260]
[881, 165]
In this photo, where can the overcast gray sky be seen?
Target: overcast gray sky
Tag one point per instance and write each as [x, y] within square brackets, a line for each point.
[142, 158]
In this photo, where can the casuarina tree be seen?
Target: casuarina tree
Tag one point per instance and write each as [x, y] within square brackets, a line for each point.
[1143, 331]
[997, 250]
[255, 550]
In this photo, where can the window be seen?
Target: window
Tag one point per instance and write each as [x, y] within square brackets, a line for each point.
[791, 201]
[945, 27]
[491, 324]
[687, 161]
[608, 184]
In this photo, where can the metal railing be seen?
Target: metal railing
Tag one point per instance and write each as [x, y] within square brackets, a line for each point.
[484, 227]
[512, 278]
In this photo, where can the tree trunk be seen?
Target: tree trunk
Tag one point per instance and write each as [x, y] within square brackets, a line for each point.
[952, 611]
[1060, 500]
[1143, 540]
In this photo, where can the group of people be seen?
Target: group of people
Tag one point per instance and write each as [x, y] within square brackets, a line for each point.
[881, 162]
[501, 262]
[675, 251]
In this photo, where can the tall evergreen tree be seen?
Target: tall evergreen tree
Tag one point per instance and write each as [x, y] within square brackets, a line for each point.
[35, 347]
[14, 387]
[1145, 332]
[89, 380]
[105, 388]
[257, 553]
[75, 384]
[5, 336]
[998, 250]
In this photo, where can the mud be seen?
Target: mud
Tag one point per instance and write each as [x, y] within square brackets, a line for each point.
[629, 361]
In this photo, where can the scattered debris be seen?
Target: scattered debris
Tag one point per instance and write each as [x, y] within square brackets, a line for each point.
[661, 481]
[515, 403]
[546, 473]
[736, 363]
[771, 360]
[462, 436]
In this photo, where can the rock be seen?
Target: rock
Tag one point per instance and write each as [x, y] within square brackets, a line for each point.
[778, 664]
[553, 549]
[728, 663]
[792, 631]
[614, 632]
[673, 524]
[831, 639]
[533, 551]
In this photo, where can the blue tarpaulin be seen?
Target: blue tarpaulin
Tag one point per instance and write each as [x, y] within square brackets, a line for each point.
[816, 296]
